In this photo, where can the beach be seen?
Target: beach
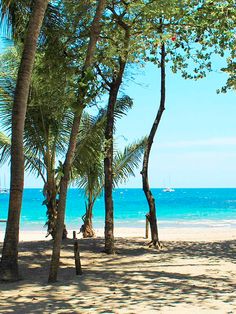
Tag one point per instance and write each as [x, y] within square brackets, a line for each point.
[195, 271]
[116, 117]
[166, 234]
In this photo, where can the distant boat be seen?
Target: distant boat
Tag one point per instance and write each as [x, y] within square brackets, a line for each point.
[168, 190]
[3, 190]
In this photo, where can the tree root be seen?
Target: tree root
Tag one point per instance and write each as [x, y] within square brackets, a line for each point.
[156, 244]
[87, 231]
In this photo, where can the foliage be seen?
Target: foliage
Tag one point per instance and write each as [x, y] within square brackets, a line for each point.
[5, 146]
[133, 31]
[231, 71]
[89, 172]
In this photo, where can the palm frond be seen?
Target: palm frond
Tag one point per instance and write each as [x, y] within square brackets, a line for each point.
[16, 14]
[89, 155]
[8, 72]
[90, 140]
[5, 147]
[126, 162]
[122, 106]
[34, 164]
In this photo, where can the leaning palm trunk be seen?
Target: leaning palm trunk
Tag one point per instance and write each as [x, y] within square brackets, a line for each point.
[87, 228]
[146, 188]
[9, 261]
[95, 32]
[52, 219]
[51, 203]
[50, 192]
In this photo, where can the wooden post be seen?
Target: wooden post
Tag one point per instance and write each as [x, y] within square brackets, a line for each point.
[74, 235]
[147, 226]
[78, 268]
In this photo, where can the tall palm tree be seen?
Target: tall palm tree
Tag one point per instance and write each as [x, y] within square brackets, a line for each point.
[9, 260]
[80, 105]
[46, 124]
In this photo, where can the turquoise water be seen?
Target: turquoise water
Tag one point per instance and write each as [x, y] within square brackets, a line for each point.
[182, 208]
[4, 43]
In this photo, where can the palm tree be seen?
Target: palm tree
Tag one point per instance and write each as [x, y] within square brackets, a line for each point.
[46, 124]
[87, 166]
[9, 260]
[84, 80]
[92, 178]
[88, 163]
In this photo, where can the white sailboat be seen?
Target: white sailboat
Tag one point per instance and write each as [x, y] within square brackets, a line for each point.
[168, 190]
[4, 190]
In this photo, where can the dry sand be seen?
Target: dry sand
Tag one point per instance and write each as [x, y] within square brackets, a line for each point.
[166, 234]
[193, 276]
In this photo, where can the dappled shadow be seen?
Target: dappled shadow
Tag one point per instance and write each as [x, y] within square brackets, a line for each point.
[182, 274]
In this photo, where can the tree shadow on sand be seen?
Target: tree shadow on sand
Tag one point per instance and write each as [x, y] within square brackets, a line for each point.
[183, 273]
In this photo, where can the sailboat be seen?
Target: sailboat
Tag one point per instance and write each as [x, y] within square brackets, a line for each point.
[4, 190]
[168, 190]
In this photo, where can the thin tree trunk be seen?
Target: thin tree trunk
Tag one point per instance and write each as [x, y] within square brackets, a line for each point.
[146, 188]
[9, 261]
[109, 131]
[108, 161]
[94, 35]
[108, 170]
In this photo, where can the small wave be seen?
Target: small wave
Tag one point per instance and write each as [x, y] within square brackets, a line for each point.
[199, 223]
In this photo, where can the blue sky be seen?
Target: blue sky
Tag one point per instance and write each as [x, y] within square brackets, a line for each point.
[195, 145]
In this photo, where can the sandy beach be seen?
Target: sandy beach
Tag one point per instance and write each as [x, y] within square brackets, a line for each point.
[165, 234]
[194, 272]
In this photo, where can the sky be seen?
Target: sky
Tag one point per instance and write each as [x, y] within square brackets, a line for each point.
[195, 145]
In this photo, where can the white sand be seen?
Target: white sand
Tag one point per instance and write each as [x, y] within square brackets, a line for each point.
[184, 277]
[165, 234]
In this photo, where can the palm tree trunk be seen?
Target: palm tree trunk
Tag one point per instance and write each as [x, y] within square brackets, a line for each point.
[94, 35]
[9, 261]
[87, 229]
[146, 188]
[50, 192]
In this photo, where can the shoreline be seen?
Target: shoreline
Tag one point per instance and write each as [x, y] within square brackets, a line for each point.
[165, 234]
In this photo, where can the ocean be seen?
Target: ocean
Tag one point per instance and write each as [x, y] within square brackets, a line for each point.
[183, 208]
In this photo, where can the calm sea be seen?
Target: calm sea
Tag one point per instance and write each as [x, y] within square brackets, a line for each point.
[182, 208]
